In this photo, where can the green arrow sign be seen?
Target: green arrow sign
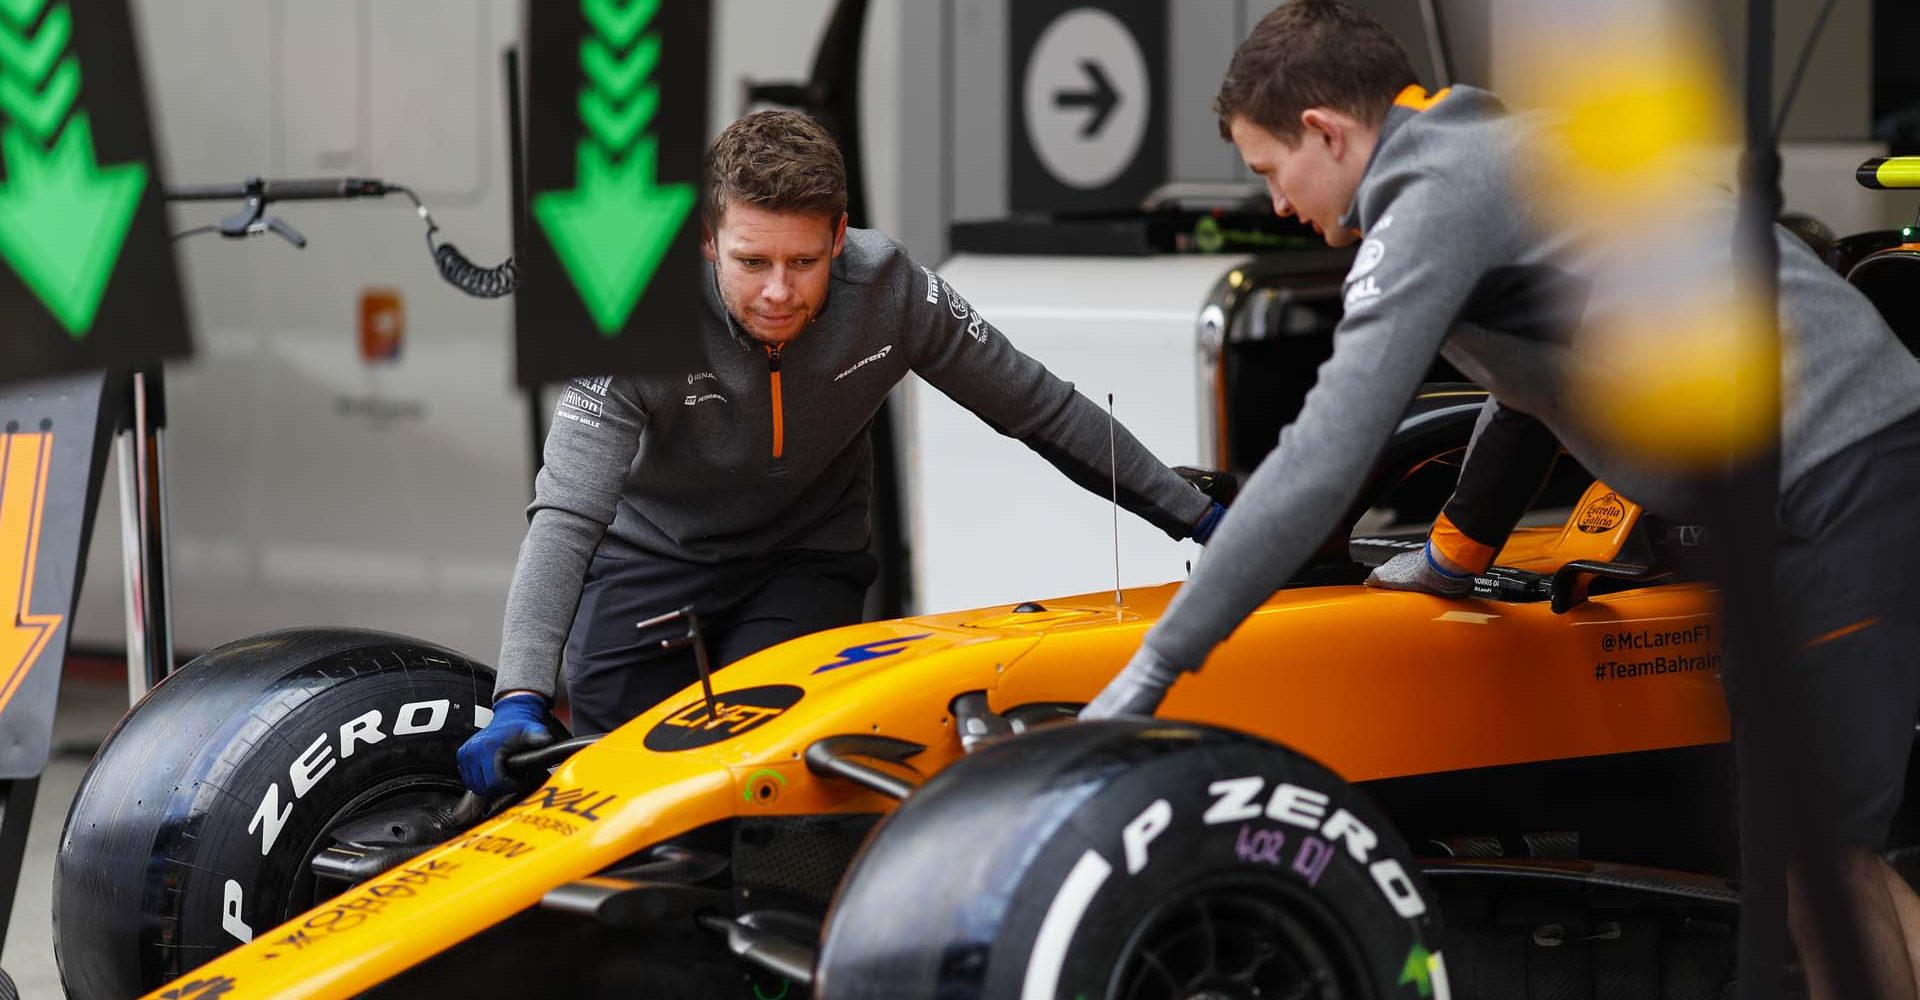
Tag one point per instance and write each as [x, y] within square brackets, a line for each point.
[611, 230]
[63, 216]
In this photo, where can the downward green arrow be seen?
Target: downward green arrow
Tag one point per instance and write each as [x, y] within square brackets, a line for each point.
[618, 24]
[63, 219]
[41, 113]
[611, 230]
[616, 127]
[1418, 971]
[32, 59]
[21, 12]
[614, 75]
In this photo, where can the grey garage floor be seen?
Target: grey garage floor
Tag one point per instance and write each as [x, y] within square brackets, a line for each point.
[93, 694]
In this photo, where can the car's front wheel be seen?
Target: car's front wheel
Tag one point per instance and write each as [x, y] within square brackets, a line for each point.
[1133, 861]
[196, 825]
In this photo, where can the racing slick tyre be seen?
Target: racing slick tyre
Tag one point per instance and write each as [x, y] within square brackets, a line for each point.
[1133, 860]
[196, 823]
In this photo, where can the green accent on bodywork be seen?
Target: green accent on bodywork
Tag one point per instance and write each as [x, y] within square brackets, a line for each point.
[1418, 971]
[747, 792]
[786, 987]
[64, 219]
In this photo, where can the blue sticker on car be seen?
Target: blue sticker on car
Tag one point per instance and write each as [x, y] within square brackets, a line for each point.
[879, 649]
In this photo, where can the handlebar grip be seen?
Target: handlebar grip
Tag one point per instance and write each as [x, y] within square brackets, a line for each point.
[1886, 173]
[208, 192]
[322, 188]
[313, 189]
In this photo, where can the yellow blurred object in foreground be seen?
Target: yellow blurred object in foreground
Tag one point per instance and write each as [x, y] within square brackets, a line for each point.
[1688, 387]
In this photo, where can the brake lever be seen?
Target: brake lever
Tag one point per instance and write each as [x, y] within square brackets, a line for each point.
[278, 226]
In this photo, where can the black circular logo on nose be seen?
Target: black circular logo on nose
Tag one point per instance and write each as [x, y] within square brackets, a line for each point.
[733, 713]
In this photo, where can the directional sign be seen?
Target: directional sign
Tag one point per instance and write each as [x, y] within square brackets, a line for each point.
[86, 264]
[617, 128]
[50, 463]
[1089, 131]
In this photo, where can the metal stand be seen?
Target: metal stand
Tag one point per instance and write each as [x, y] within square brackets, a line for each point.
[16, 815]
[140, 451]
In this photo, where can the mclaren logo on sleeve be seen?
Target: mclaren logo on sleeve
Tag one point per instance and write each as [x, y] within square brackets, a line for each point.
[734, 713]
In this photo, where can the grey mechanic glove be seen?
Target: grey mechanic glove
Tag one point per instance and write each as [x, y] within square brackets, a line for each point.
[1136, 690]
[1417, 571]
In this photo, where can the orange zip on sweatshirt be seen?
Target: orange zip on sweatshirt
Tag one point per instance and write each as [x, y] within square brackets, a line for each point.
[779, 419]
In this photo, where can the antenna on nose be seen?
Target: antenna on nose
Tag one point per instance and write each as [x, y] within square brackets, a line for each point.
[1113, 473]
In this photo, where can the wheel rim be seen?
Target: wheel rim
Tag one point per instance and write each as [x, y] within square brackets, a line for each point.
[405, 790]
[1237, 940]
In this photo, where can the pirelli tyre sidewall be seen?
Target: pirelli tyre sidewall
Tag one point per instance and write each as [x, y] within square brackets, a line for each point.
[193, 828]
[1041, 867]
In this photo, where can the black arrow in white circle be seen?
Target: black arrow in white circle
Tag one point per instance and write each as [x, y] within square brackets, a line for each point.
[1102, 98]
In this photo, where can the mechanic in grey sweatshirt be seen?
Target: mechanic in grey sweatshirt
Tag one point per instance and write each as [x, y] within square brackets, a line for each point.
[1457, 260]
[742, 488]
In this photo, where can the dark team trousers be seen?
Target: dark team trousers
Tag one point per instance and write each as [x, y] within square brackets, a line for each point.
[1844, 583]
[615, 672]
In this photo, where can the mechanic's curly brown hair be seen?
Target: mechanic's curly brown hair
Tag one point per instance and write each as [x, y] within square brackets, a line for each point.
[781, 161]
[1312, 54]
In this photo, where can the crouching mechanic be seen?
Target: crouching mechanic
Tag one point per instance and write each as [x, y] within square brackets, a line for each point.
[741, 489]
[1322, 104]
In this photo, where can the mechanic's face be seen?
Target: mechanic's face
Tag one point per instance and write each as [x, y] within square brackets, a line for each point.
[773, 268]
[1315, 177]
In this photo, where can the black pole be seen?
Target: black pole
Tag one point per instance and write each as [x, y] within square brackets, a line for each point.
[1784, 821]
[517, 209]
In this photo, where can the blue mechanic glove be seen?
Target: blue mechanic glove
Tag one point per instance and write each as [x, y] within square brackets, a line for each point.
[1203, 528]
[1137, 690]
[1422, 573]
[519, 723]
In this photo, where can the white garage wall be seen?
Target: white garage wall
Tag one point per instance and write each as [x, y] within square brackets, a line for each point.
[307, 487]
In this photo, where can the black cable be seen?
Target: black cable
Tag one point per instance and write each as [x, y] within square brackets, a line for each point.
[195, 231]
[1800, 70]
[481, 282]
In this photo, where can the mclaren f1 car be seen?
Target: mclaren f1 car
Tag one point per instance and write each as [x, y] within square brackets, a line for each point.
[905, 808]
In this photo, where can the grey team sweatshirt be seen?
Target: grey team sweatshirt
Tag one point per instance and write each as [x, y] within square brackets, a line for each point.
[757, 451]
[1455, 262]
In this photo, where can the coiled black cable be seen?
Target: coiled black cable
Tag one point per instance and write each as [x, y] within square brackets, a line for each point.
[480, 282]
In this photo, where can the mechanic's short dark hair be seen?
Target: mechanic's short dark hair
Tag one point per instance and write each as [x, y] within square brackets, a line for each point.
[781, 161]
[1312, 54]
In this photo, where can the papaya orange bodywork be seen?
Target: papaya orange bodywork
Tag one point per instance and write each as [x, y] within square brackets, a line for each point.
[1376, 684]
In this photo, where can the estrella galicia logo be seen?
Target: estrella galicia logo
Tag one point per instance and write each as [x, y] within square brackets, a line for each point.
[1602, 515]
[876, 650]
[734, 713]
